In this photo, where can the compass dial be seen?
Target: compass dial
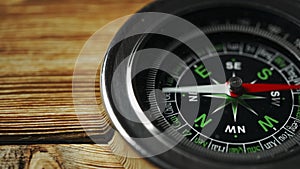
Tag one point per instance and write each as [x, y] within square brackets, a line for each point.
[234, 104]
[250, 122]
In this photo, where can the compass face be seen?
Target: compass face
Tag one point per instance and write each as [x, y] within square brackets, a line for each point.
[246, 114]
[245, 124]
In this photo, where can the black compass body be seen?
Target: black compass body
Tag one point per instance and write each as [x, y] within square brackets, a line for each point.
[225, 97]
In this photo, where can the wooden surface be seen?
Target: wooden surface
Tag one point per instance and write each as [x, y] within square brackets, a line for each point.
[39, 44]
[58, 156]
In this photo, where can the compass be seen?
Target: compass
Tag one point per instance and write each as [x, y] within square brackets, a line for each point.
[227, 97]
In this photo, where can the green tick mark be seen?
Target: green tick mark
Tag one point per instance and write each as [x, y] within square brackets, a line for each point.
[219, 47]
[235, 136]
[233, 59]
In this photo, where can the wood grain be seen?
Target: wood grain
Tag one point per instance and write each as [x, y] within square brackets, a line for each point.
[75, 156]
[40, 42]
[39, 45]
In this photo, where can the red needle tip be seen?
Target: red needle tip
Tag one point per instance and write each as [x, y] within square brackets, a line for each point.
[256, 88]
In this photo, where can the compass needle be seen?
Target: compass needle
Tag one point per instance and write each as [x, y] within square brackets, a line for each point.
[219, 88]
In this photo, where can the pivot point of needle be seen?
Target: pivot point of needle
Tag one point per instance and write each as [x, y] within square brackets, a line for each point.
[235, 86]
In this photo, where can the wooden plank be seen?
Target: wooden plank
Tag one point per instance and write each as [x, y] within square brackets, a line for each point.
[66, 156]
[117, 154]
[40, 42]
[62, 156]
